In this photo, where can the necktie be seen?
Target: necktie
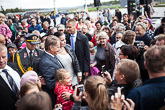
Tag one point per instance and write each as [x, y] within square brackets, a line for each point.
[11, 82]
[31, 57]
[72, 43]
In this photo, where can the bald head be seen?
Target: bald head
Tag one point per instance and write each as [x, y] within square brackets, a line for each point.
[3, 56]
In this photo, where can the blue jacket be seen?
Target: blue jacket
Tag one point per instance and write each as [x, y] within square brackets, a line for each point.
[150, 96]
[145, 38]
[32, 28]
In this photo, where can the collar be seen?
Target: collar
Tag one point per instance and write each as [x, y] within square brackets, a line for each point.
[6, 67]
[155, 80]
[29, 50]
[75, 35]
[49, 54]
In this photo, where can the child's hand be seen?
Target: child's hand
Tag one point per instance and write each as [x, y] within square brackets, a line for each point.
[92, 65]
[6, 37]
[79, 97]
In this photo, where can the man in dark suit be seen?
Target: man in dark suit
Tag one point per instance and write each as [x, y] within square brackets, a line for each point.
[79, 43]
[49, 64]
[28, 58]
[8, 91]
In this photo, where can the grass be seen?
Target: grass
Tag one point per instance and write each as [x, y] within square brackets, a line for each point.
[159, 6]
[90, 9]
[100, 8]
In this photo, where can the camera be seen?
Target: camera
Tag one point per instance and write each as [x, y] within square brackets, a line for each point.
[139, 44]
[80, 88]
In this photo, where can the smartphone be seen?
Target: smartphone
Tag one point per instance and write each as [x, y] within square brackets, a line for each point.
[103, 70]
[80, 88]
[129, 21]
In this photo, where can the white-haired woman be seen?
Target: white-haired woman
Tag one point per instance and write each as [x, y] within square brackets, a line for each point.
[105, 53]
[89, 26]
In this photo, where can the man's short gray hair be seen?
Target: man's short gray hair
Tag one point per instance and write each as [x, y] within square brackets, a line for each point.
[120, 26]
[142, 25]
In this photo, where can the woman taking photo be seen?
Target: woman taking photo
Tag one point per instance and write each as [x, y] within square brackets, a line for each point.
[68, 59]
[105, 53]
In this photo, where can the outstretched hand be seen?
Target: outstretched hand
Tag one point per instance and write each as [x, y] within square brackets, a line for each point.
[106, 75]
[129, 104]
[79, 97]
[117, 101]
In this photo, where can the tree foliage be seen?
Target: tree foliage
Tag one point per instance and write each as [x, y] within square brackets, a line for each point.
[10, 10]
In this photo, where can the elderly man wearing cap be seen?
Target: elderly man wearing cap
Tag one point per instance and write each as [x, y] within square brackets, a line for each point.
[28, 58]
[61, 28]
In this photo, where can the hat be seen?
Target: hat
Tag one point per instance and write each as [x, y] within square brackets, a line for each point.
[21, 34]
[60, 27]
[43, 34]
[11, 45]
[29, 76]
[150, 21]
[32, 38]
[19, 28]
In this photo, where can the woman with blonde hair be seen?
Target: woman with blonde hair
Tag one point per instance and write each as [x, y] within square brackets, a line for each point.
[95, 94]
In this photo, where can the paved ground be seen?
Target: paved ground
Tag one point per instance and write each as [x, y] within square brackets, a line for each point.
[159, 13]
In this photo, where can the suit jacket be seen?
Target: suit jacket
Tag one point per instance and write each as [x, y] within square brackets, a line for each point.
[48, 67]
[81, 50]
[7, 97]
[75, 62]
[25, 59]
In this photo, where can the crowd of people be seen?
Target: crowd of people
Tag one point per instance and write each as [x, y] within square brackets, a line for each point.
[81, 64]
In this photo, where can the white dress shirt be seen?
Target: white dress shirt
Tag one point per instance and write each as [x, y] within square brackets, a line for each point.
[13, 74]
[28, 51]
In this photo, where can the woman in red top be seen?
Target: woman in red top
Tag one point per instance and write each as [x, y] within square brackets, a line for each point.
[63, 84]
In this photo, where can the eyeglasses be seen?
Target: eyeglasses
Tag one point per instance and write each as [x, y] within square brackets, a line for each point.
[102, 38]
[118, 37]
[120, 54]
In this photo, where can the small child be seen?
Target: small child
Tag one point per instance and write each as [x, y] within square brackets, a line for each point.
[4, 29]
[93, 70]
[92, 53]
[63, 84]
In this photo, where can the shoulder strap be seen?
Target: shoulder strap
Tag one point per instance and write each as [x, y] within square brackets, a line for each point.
[21, 66]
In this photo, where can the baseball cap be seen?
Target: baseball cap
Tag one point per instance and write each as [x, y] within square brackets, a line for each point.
[11, 45]
[60, 27]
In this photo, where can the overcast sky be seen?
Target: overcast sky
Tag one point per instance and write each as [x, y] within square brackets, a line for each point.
[7, 4]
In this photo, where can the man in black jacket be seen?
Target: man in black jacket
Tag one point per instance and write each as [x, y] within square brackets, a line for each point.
[79, 43]
[126, 77]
